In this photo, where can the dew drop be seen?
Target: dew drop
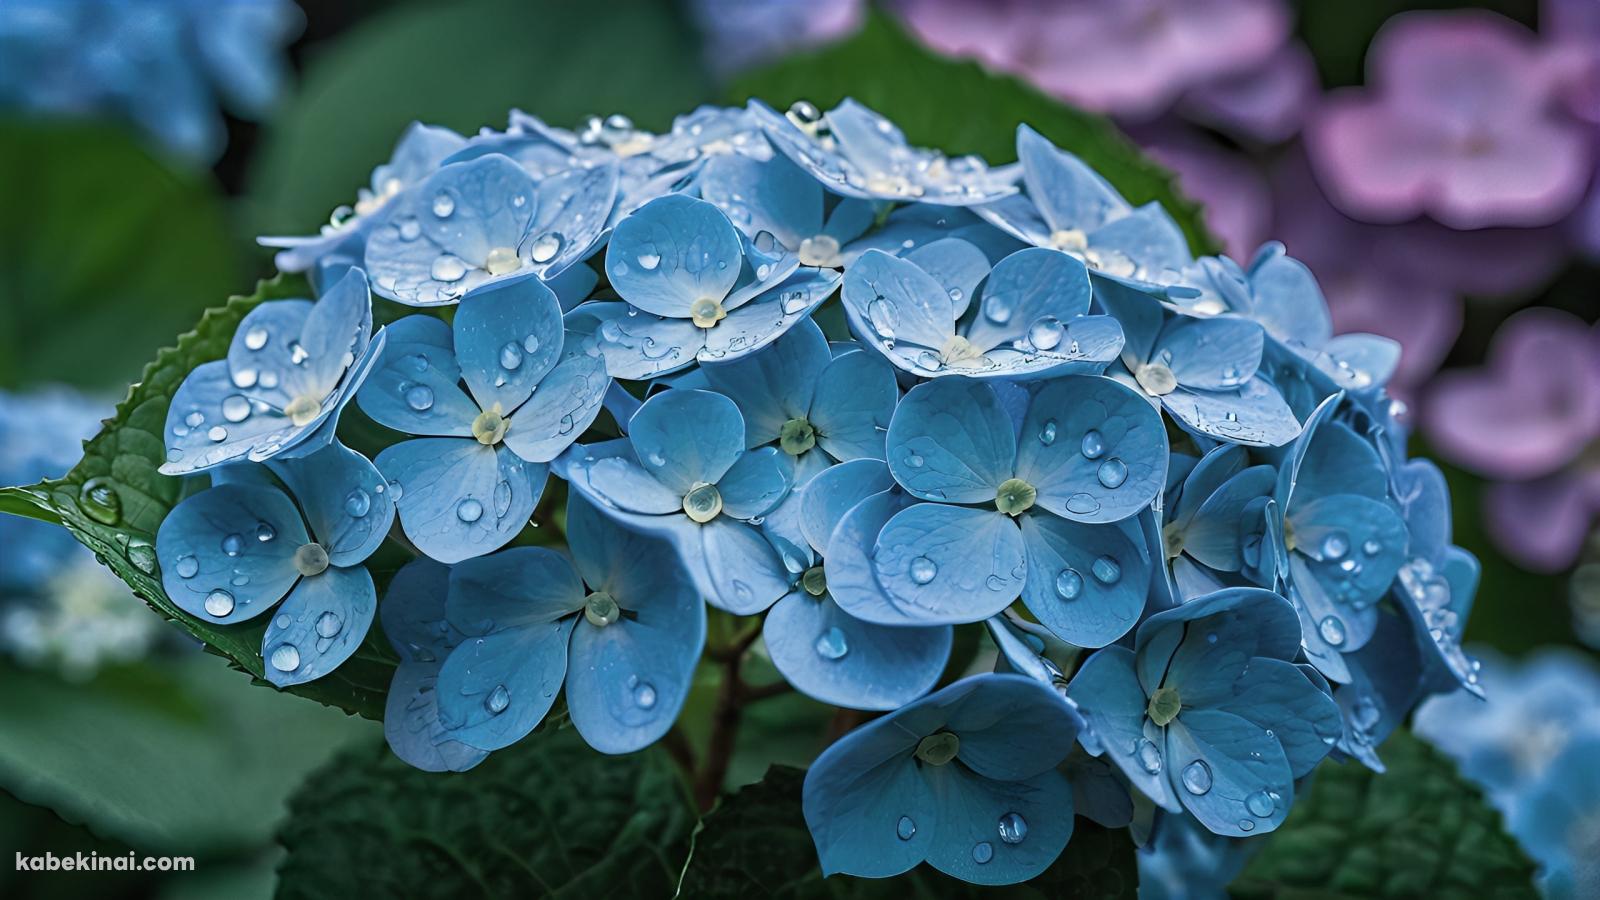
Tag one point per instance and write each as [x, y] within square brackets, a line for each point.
[232, 545]
[187, 566]
[219, 603]
[1260, 804]
[1332, 630]
[1149, 756]
[469, 510]
[546, 247]
[99, 500]
[648, 261]
[1069, 584]
[1113, 472]
[905, 829]
[410, 228]
[923, 569]
[1045, 333]
[644, 695]
[1371, 548]
[1013, 828]
[443, 205]
[1335, 545]
[511, 356]
[235, 408]
[1106, 570]
[832, 644]
[286, 658]
[447, 268]
[1094, 446]
[983, 852]
[255, 338]
[1197, 777]
[265, 532]
[419, 397]
[217, 434]
[1047, 434]
[498, 700]
[328, 624]
[357, 503]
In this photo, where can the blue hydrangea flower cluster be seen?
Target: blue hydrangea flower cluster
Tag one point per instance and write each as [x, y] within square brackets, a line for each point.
[786, 364]
[162, 65]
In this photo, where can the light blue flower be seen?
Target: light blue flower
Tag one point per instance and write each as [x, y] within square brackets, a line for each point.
[230, 553]
[1338, 538]
[1032, 322]
[684, 474]
[964, 780]
[485, 220]
[821, 649]
[1208, 713]
[779, 198]
[1438, 581]
[471, 483]
[1070, 208]
[695, 290]
[817, 407]
[413, 618]
[290, 369]
[855, 152]
[1025, 506]
[1205, 533]
[1276, 292]
[1202, 371]
[623, 630]
[342, 242]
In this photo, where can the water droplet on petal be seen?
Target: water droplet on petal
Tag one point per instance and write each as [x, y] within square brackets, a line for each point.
[1106, 570]
[187, 566]
[1013, 828]
[1069, 584]
[285, 658]
[923, 569]
[1260, 803]
[219, 603]
[1045, 333]
[469, 510]
[447, 268]
[644, 695]
[510, 356]
[1332, 630]
[1113, 472]
[419, 397]
[983, 852]
[232, 545]
[265, 532]
[1047, 434]
[1093, 446]
[1197, 777]
[328, 624]
[217, 434]
[443, 205]
[357, 503]
[832, 644]
[1335, 545]
[1149, 756]
[546, 247]
[905, 829]
[255, 338]
[235, 408]
[498, 700]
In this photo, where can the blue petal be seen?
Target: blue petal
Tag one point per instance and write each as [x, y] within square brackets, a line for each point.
[1109, 697]
[1204, 478]
[336, 332]
[971, 808]
[520, 588]
[321, 623]
[1255, 414]
[756, 483]
[854, 401]
[831, 494]
[1028, 293]
[414, 389]
[1011, 726]
[1348, 549]
[411, 722]
[951, 440]
[1287, 300]
[494, 690]
[1335, 460]
[891, 301]
[671, 252]
[852, 578]
[1210, 354]
[413, 612]
[1067, 192]
[860, 795]
[1213, 536]
[507, 337]
[950, 564]
[1145, 245]
[685, 437]
[621, 483]
[201, 432]
[639, 345]
[775, 196]
[835, 658]
[346, 501]
[574, 285]
[1243, 763]
[768, 316]
[958, 266]
[1093, 449]
[565, 405]
[734, 567]
[774, 384]
[211, 547]
[574, 207]
[1247, 623]
[1140, 315]
[1070, 588]
[458, 498]
[262, 345]
[1276, 696]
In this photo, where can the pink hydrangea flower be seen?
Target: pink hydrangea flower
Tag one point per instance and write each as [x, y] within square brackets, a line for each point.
[1530, 420]
[1132, 58]
[1458, 121]
[1267, 103]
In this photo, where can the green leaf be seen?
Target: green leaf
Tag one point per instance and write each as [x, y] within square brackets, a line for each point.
[959, 108]
[104, 253]
[755, 844]
[169, 757]
[1418, 830]
[548, 817]
[114, 499]
[545, 57]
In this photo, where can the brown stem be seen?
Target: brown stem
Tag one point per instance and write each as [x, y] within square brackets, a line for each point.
[724, 729]
[842, 721]
[764, 691]
[677, 746]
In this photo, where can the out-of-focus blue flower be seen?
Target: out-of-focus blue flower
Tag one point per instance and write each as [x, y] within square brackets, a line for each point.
[623, 630]
[1032, 321]
[1207, 533]
[290, 369]
[1209, 713]
[964, 779]
[1069, 207]
[484, 220]
[1203, 371]
[230, 553]
[413, 618]
[163, 65]
[684, 474]
[855, 152]
[1013, 507]
[815, 406]
[695, 290]
[1184, 861]
[741, 33]
[821, 649]
[472, 482]
[342, 242]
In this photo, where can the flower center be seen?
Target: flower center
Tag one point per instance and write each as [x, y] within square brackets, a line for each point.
[1172, 539]
[706, 312]
[702, 503]
[938, 749]
[1015, 496]
[821, 250]
[303, 410]
[797, 436]
[490, 426]
[601, 609]
[502, 261]
[814, 581]
[1071, 240]
[1164, 705]
[310, 559]
[1156, 379]
[958, 350]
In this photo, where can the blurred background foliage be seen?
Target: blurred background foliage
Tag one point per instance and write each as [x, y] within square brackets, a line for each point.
[110, 246]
